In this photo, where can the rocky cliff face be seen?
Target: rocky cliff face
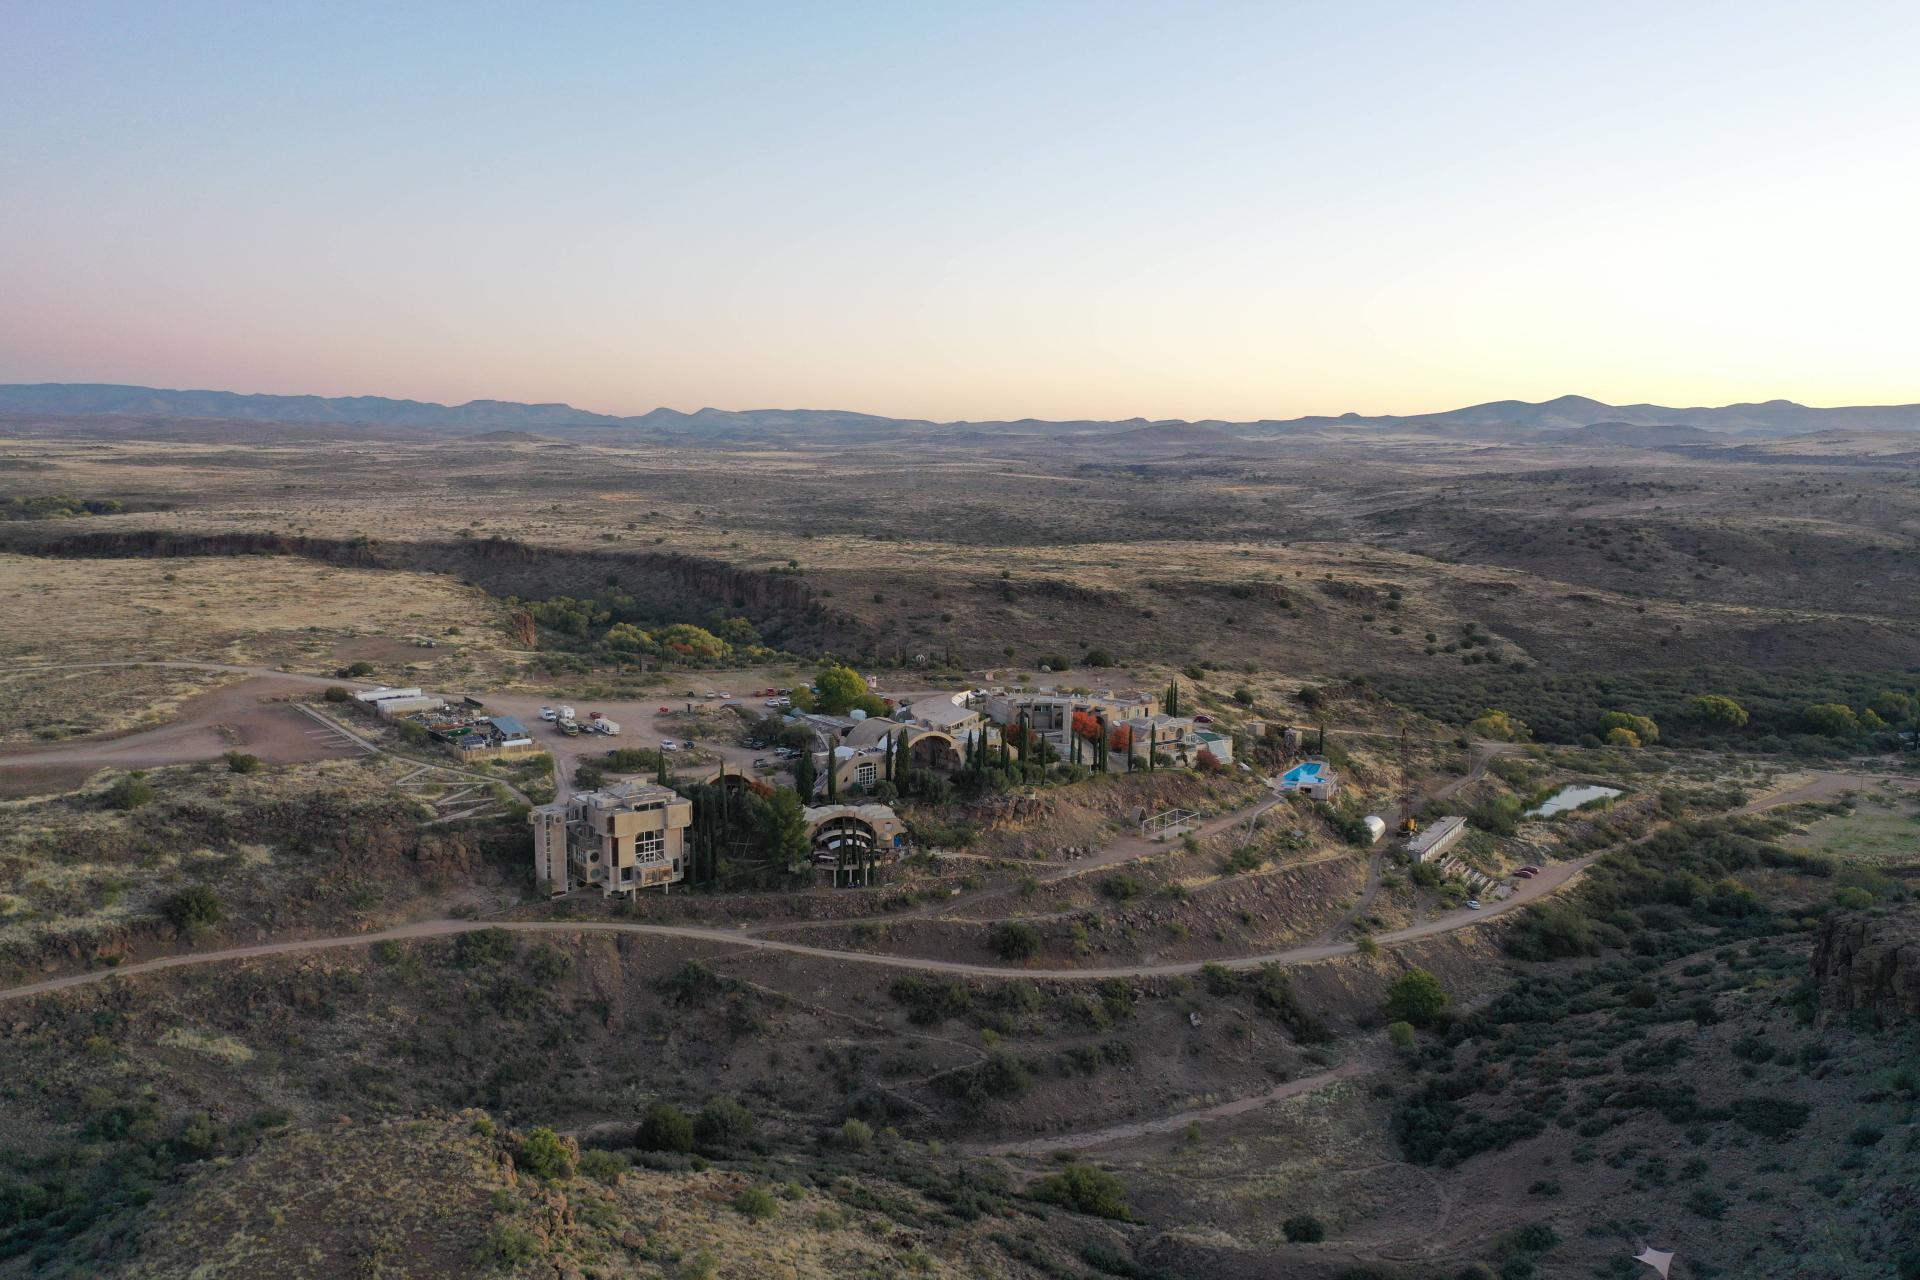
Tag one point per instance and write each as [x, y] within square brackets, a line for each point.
[1868, 962]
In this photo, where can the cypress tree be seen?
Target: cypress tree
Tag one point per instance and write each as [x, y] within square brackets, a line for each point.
[889, 758]
[833, 778]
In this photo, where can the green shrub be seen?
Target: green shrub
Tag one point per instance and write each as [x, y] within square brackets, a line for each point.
[483, 947]
[1304, 1228]
[546, 1155]
[931, 1000]
[510, 1245]
[757, 1203]
[193, 910]
[241, 762]
[336, 693]
[602, 1166]
[547, 964]
[1218, 979]
[1085, 1189]
[1014, 940]
[856, 1135]
[724, 1123]
[130, 792]
[665, 1127]
[1122, 887]
[1769, 1117]
[1416, 996]
[1401, 1035]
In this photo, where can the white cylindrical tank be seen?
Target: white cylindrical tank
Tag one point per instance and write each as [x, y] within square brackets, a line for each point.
[857, 714]
[1376, 827]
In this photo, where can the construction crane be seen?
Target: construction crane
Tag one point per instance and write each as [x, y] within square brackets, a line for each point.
[1407, 825]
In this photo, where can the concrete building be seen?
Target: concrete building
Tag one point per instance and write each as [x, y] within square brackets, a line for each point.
[1218, 744]
[926, 748]
[1050, 712]
[1167, 734]
[1437, 839]
[949, 715]
[849, 834]
[620, 839]
[1314, 779]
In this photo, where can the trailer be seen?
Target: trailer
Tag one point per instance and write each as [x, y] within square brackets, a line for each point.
[566, 713]
[606, 726]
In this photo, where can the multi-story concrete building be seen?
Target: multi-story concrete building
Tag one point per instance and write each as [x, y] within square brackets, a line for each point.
[1050, 713]
[620, 839]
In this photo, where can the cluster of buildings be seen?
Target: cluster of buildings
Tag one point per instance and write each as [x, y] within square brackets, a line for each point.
[460, 728]
[631, 836]
[938, 729]
[1050, 714]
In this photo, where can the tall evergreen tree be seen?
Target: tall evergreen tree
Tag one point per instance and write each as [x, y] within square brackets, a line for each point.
[833, 778]
[890, 757]
[1173, 697]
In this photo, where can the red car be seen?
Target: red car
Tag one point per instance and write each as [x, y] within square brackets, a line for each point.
[666, 711]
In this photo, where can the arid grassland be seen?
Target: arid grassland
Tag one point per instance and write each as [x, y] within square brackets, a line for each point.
[282, 996]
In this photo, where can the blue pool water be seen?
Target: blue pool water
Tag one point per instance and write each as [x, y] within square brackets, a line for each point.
[1308, 772]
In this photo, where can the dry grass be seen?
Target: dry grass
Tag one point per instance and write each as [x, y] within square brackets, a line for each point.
[51, 704]
[242, 610]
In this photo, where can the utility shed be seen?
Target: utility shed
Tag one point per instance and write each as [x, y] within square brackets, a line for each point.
[1437, 839]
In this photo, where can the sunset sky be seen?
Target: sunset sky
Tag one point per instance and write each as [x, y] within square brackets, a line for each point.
[966, 210]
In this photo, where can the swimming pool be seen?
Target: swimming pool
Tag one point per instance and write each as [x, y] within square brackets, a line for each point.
[1303, 774]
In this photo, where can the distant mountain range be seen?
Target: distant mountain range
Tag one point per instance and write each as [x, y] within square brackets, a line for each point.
[1574, 419]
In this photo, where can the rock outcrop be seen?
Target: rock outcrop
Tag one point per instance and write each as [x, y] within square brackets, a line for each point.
[1868, 962]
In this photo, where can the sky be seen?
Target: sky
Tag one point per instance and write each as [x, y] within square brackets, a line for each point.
[966, 210]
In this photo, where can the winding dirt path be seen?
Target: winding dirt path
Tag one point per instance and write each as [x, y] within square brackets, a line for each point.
[1087, 1139]
[1555, 877]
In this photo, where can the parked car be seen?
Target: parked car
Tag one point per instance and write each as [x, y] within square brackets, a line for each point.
[1203, 719]
[548, 713]
[667, 744]
[1473, 904]
[1531, 869]
[666, 711]
[761, 762]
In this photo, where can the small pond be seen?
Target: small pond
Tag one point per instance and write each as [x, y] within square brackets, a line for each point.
[1572, 798]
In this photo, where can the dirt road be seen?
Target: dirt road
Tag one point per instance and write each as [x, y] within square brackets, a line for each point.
[1555, 876]
[250, 715]
[1087, 1139]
